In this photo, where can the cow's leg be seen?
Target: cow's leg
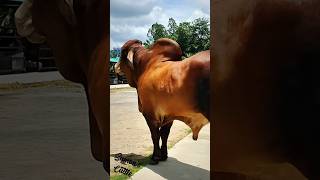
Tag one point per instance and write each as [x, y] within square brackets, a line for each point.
[155, 135]
[95, 134]
[164, 133]
[95, 138]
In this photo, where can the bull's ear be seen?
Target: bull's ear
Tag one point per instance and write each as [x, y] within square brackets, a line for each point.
[24, 25]
[130, 58]
[67, 10]
[118, 69]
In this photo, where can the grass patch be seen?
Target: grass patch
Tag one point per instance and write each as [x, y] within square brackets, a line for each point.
[143, 161]
[119, 177]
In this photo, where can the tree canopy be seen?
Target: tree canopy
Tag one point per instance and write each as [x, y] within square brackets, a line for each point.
[192, 36]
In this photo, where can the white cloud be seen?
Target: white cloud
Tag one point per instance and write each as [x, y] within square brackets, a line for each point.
[124, 8]
[114, 44]
[203, 5]
[132, 19]
[123, 29]
[198, 13]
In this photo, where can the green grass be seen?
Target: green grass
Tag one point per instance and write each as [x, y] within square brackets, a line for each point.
[142, 162]
[119, 177]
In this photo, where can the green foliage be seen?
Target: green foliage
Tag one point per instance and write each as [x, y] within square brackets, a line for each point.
[200, 38]
[172, 28]
[156, 32]
[192, 36]
[184, 36]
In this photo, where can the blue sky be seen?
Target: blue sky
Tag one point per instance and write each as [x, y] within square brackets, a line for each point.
[131, 19]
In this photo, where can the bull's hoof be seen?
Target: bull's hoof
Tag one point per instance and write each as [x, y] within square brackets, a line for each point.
[153, 161]
[163, 158]
[164, 153]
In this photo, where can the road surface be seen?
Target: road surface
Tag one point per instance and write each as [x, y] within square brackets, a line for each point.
[44, 134]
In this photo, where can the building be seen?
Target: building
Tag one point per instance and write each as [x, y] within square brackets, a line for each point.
[17, 54]
[114, 58]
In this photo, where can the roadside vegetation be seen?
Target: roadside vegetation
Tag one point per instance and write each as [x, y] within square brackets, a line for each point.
[192, 37]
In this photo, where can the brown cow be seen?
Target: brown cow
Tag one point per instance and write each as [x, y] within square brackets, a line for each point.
[77, 32]
[266, 84]
[167, 87]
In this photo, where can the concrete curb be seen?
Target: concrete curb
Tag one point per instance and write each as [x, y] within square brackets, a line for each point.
[32, 77]
[118, 86]
[188, 159]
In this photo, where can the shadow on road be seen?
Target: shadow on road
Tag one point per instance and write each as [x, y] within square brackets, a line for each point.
[170, 169]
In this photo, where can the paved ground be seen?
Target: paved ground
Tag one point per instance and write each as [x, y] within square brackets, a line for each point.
[129, 133]
[44, 134]
[30, 77]
[188, 160]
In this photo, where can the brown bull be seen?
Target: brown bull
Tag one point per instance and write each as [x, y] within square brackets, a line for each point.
[77, 32]
[168, 88]
[267, 87]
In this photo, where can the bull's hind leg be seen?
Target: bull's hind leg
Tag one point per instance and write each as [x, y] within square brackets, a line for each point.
[98, 147]
[155, 135]
[96, 140]
[164, 133]
[95, 134]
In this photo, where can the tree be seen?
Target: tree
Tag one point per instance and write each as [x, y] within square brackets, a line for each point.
[200, 38]
[156, 32]
[183, 34]
[172, 28]
[192, 37]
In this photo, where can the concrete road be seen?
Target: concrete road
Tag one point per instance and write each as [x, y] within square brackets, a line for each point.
[44, 134]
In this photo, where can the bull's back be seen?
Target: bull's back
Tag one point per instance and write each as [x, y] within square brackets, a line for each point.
[176, 87]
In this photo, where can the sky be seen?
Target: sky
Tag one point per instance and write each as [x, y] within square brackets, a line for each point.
[132, 19]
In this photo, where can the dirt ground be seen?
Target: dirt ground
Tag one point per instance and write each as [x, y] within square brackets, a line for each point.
[129, 131]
